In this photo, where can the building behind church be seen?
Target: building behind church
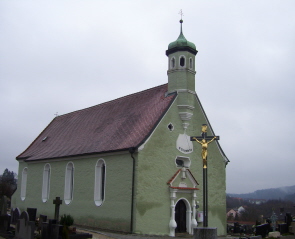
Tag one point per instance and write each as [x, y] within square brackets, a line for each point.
[128, 164]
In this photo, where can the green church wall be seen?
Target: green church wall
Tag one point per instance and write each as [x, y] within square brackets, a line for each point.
[115, 211]
[156, 165]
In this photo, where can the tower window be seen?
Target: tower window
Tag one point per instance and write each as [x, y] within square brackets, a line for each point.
[182, 61]
[172, 63]
[190, 63]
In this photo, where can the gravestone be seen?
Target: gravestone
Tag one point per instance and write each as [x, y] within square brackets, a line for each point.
[32, 212]
[283, 228]
[3, 205]
[5, 222]
[15, 216]
[57, 201]
[24, 228]
[263, 230]
[288, 219]
[237, 228]
[42, 218]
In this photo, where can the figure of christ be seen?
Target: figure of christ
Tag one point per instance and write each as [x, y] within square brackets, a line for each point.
[204, 144]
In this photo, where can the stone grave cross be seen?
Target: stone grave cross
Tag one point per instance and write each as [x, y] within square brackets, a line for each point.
[57, 201]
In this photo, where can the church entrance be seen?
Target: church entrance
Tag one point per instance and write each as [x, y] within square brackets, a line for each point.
[180, 217]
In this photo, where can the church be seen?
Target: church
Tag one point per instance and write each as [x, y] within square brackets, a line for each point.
[129, 165]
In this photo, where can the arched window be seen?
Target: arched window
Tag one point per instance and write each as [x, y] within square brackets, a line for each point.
[172, 64]
[182, 61]
[191, 63]
[69, 183]
[46, 183]
[99, 184]
[23, 189]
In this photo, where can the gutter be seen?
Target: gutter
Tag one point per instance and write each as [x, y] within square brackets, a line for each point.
[132, 150]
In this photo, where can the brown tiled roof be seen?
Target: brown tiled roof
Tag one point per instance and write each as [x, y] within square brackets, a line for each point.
[112, 126]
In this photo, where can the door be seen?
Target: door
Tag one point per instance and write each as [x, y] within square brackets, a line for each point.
[180, 217]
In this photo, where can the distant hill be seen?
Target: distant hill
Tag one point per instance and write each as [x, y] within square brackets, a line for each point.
[284, 193]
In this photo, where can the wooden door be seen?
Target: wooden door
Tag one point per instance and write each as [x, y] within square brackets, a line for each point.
[180, 216]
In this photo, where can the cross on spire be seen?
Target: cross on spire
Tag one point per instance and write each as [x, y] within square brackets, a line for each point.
[181, 14]
[181, 21]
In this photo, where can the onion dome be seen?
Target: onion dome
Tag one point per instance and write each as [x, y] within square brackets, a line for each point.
[181, 44]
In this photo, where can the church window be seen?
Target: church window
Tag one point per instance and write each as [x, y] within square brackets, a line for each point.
[170, 127]
[69, 183]
[191, 63]
[182, 61]
[46, 183]
[172, 63]
[23, 190]
[181, 162]
[99, 184]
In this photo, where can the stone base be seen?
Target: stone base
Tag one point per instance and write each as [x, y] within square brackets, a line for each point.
[274, 234]
[205, 233]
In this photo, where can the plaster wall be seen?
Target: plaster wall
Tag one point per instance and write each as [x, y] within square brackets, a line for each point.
[113, 214]
[156, 165]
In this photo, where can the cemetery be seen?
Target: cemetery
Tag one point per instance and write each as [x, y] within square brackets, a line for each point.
[26, 225]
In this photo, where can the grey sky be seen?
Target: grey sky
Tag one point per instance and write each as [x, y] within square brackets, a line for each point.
[62, 56]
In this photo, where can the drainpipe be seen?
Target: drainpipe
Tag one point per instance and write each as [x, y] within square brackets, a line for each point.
[132, 151]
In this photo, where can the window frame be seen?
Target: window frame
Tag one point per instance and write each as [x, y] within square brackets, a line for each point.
[69, 183]
[46, 182]
[99, 182]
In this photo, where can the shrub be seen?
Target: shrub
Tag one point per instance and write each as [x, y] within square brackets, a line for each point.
[67, 220]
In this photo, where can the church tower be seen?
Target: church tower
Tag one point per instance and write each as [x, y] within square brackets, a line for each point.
[181, 67]
[181, 75]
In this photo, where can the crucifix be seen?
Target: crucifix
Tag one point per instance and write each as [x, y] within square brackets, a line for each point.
[203, 140]
[57, 201]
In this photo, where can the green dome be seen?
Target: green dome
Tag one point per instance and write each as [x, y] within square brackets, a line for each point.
[181, 42]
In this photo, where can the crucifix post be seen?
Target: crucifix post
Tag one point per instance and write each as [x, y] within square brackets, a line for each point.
[203, 140]
[57, 201]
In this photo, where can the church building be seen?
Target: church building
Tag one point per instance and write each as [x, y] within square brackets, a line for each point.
[128, 164]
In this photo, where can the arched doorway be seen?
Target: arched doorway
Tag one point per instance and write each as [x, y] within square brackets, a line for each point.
[180, 216]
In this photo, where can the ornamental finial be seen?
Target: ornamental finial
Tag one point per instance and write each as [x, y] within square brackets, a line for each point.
[181, 21]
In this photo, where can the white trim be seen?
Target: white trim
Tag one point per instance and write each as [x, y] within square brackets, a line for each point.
[46, 182]
[186, 161]
[191, 66]
[171, 63]
[189, 107]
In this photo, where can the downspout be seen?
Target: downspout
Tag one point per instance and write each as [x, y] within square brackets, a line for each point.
[132, 151]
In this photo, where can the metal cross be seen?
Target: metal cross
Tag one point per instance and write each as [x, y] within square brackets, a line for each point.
[181, 13]
[203, 141]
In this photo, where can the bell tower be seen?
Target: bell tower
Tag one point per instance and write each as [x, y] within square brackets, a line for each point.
[181, 75]
[181, 64]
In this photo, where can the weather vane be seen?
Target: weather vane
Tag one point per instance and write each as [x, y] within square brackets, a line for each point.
[181, 13]
[56, 114]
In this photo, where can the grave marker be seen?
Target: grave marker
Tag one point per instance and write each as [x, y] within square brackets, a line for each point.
[24, 228]
[3, 205]
[57, 201]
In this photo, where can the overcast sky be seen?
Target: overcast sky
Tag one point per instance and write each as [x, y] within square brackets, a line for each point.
[62, 56]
